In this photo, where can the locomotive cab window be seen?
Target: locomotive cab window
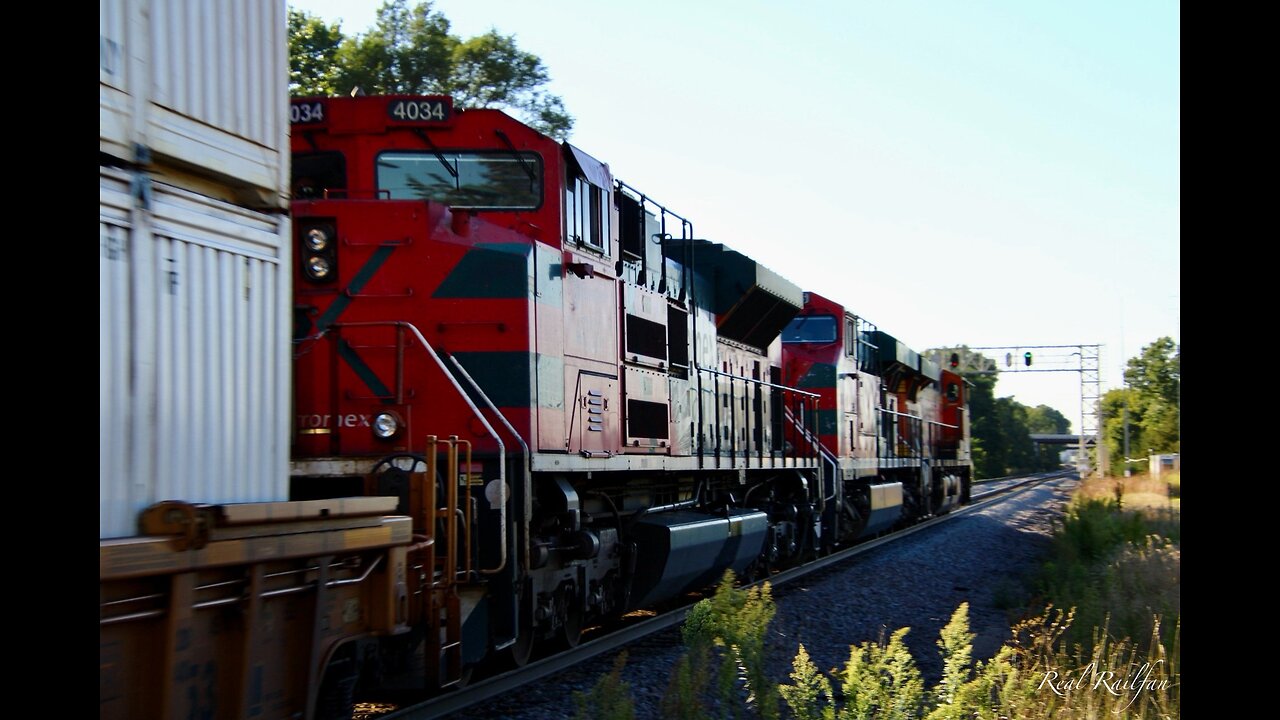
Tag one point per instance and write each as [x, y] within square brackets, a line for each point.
[810, 329]
[585, 221]
[586, 212]
[316, 173]
[953, 392]
[475, 180]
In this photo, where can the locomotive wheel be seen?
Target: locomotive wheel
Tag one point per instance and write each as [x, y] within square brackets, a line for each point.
[391, 477]
[571, 630]
[522, 650]
[402, 462]
[468, 671]
[336, 697]
[569, 634]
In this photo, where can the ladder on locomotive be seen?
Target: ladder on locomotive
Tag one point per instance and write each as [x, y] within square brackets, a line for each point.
[443, 567]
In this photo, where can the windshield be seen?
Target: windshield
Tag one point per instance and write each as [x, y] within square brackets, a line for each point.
[494, 180]
[810, 329]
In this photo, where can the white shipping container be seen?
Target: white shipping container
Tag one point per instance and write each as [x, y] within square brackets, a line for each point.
[194, 352]
[203, 85]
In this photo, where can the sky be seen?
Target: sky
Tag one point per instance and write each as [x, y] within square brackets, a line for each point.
[986, 173]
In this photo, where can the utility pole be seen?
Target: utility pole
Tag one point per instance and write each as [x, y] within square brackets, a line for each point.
[1126, 434]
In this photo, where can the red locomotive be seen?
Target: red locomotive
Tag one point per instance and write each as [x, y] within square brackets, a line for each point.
[584, 407]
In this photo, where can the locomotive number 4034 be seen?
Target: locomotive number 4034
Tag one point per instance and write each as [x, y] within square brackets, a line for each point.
[418, 110]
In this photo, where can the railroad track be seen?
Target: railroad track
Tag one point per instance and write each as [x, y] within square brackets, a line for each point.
[488, 688]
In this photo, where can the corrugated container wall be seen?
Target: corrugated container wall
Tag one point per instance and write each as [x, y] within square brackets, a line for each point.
[194, 255]
[204, 86]
[193, 352]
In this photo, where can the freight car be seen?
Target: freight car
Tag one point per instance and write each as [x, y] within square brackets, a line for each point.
[526, 398]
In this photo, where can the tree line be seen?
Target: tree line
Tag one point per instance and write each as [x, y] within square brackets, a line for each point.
[410, 50]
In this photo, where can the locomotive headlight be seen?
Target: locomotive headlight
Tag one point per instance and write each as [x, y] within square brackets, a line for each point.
[317, 240]
[318, 268]
[385, 426]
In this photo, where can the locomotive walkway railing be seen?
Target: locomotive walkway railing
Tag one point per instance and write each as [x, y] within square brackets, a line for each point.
[903, 435]
[800, 407]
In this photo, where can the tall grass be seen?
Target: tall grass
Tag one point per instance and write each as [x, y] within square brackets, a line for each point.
[1119, 568]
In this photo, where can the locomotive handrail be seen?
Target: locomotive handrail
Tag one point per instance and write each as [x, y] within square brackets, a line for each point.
[902, 438]
[925, 430]
[831, 460]
[765, 383]
[900, 414]
[916, 417]
[686, 232]
[822, 453]
[401, 326]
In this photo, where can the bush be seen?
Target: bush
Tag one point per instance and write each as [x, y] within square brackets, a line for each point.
[727, 630]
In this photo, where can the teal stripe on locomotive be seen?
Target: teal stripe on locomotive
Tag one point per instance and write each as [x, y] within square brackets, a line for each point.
[362, 370]
[489, 270]
[362, 278]
[504, 376]
[826, 422]
[819, 375]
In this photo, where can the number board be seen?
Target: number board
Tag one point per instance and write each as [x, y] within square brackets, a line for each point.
[306, 112]
[420, 110]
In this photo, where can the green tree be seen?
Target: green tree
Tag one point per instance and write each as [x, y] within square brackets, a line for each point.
[410, 50]
[987, 446]
[1113, 407]
[1045, 420]
[491, 71]
[1150, 403]
[1156, 378]
[313, 48]
[1020, 454]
